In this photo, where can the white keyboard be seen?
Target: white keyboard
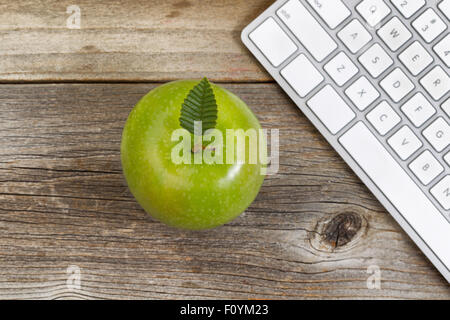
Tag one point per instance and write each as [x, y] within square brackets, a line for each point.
[373, 77]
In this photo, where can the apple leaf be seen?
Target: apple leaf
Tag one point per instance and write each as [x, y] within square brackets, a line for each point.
[199, 105]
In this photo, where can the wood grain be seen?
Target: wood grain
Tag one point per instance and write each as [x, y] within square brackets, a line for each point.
[138, 40]
[63, 201]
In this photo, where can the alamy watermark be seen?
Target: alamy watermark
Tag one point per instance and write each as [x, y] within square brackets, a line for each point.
[374, 280]
[74, 20]
[73, 281]
[236, 147]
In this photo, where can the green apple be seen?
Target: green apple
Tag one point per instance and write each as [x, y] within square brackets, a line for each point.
[188, 196]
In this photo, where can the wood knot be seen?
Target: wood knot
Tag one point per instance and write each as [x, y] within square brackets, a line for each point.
[342, 229]
[340, 233]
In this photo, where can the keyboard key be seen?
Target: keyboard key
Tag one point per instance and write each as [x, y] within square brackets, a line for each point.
[341, 69]
[425, 167]
[354, 36]
[307, 29]
[436, 82]
[408, 7]
[383, 118]
[362, 93]
[444, 6]
[397, 85]
[429, 25]
[399, 188]
[394, 34]
[438, 134]
[302, 76]
[418, 109]
[446, 107]
[441, 192]
[373, 11]
[443, 49]
[404, 142]
[331, 109]
[415, 58]
[447, 158]
[273, 42]
[375, 60]
[333, 12]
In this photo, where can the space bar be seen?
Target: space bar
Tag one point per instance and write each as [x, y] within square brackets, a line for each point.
[399, 188]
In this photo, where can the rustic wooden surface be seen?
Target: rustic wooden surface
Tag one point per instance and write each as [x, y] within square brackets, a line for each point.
[139, 40]
[312, 232]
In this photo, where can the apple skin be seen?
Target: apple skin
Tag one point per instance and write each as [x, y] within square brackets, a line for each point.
[187, 196]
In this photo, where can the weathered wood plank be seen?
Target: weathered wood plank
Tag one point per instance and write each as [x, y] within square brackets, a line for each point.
[127, 40]
[63, 201]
